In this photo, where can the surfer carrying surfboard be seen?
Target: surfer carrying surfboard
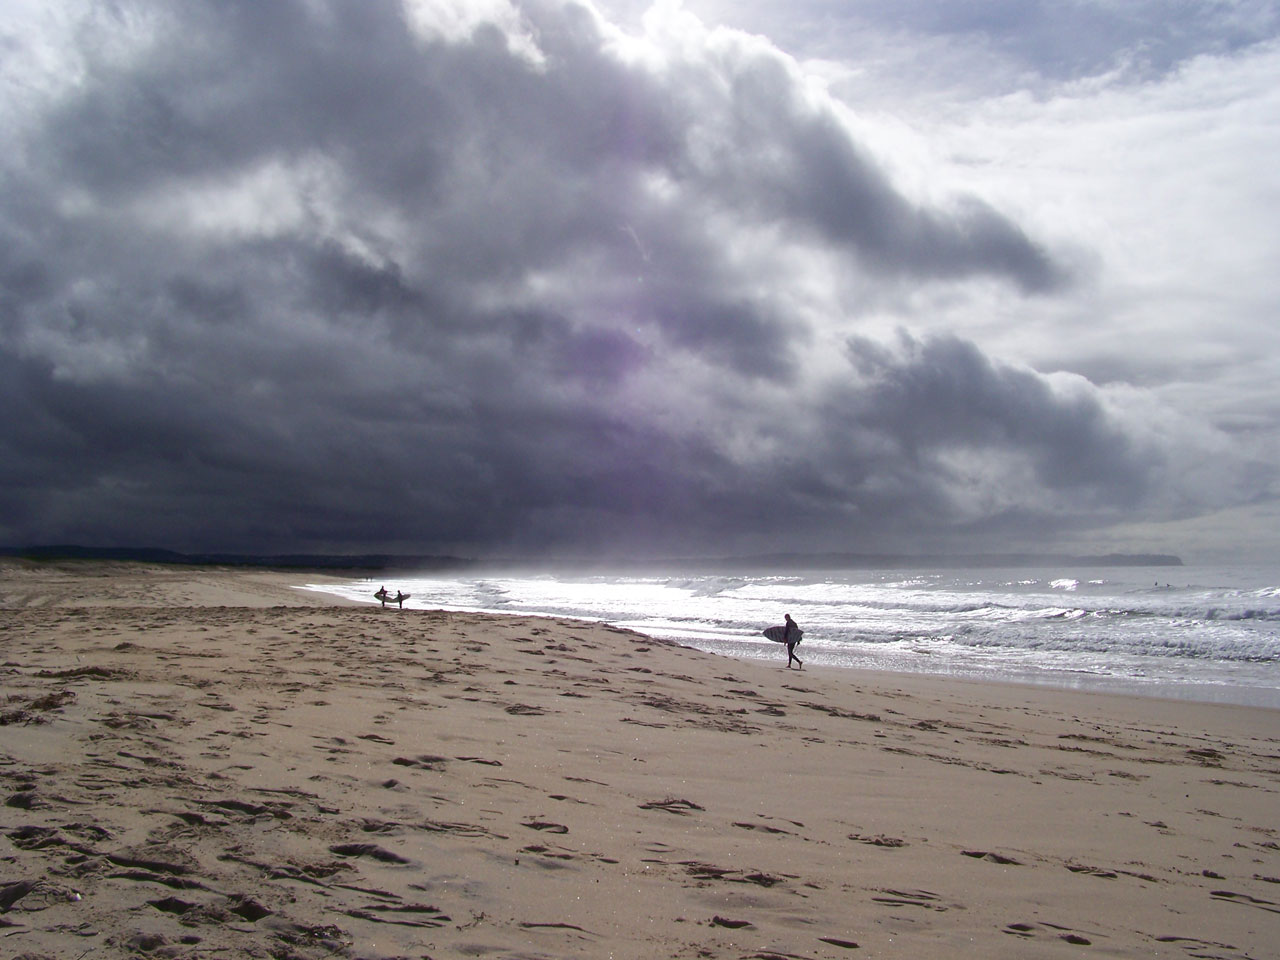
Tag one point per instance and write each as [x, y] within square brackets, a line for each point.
[788, 633]
[791, 637]
[386, 598]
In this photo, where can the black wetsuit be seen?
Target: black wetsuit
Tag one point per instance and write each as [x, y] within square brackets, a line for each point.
[791, 640]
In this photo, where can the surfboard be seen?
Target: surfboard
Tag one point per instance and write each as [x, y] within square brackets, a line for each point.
[779, 634]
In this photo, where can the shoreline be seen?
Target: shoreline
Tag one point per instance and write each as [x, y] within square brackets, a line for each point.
[203, 764]
[1203, 691]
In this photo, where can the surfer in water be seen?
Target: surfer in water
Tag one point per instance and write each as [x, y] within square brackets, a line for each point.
[791, 637]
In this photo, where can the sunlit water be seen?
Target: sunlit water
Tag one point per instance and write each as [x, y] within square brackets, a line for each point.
[1200, 633]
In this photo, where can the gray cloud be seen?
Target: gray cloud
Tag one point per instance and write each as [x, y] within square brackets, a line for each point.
[1000, 45]
[294, 276]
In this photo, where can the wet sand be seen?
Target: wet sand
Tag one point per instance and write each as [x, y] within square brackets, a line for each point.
[209, 763]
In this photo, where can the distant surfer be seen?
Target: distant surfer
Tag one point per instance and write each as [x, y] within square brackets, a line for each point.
[386, 598]
[791, 637]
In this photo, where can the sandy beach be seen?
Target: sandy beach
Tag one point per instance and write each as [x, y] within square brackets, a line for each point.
[200, 763]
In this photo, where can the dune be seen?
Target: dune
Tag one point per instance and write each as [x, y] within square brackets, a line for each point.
[203, 763]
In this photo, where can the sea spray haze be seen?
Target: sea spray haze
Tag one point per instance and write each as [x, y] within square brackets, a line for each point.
[1206, 633]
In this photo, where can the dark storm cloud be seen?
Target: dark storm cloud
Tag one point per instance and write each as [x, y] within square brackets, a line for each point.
[295, 276]
[793, 161]
[943, 395]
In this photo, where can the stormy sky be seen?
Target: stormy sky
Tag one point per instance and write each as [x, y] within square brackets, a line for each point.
[508, 278]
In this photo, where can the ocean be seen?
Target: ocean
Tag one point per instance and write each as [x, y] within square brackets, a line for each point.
[1203, 633]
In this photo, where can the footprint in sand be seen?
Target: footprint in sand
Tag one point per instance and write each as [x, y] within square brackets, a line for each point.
[707, 871]
[879, 840]
[912, 898]
[1092, 871]
[1029, 931]
[837, 942]
[404, 914]
[760, 826]
[529, 925]
[992, 857]
[1192, 943]
[367, 850]
[672, 805]
[544, 851]
[1245, 900]
[423, 761]
[545, 825]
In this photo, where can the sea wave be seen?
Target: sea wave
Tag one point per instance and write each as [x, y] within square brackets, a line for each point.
[1256, 649]
[1216, 614]
[707, 586]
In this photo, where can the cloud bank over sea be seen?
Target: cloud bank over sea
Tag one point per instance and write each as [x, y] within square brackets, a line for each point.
[496, 278]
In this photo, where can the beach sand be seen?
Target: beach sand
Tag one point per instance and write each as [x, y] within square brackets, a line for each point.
[210, 763]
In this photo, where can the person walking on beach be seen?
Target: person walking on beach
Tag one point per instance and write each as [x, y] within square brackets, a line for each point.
[791, 637]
